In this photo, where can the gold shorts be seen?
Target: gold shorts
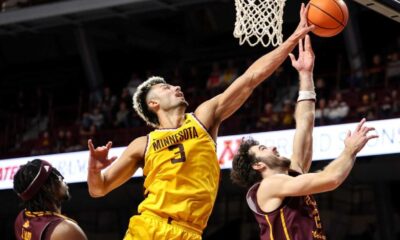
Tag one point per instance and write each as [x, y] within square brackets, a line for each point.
[149, 227]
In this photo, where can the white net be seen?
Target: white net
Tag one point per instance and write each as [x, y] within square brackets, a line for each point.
[259, 21]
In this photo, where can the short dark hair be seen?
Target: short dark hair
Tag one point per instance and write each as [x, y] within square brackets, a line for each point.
[140, 104]
[242, 172]
[45, 199]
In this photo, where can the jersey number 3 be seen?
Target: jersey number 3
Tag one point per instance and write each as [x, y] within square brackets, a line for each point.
[179, 152]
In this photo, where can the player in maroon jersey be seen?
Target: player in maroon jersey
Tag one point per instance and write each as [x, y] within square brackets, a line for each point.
[280, 188]
[42, 190]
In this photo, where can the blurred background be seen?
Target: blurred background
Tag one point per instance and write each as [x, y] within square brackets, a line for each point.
[69, 68]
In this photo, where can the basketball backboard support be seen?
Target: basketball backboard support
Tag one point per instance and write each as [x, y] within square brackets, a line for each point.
[389, 8]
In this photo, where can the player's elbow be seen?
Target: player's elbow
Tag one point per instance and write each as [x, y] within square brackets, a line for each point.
[253, 78]
[96, 192]
[329, 181]
[333, 182]
[306, 120]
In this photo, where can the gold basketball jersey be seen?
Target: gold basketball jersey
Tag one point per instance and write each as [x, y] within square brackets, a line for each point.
[181, 174]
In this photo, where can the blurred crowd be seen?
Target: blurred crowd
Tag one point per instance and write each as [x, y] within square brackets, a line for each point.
[107, 114]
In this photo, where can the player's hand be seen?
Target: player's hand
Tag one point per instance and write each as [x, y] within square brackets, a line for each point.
[303, 28]
[305, 61]
[98, 159]
[356, 140]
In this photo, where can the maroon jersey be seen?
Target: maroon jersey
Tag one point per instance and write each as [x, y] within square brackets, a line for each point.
[296, 219]
[36, 225]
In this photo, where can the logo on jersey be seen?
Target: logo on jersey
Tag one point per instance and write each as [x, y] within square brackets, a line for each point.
[182, 135]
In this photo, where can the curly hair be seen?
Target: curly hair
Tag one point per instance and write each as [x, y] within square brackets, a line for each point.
[140, 104]
[242, 172]
[45, 199]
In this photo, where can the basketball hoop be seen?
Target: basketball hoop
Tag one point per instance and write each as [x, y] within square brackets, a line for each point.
[259, 21]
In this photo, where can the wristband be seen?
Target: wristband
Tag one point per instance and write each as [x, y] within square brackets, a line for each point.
[306, 95]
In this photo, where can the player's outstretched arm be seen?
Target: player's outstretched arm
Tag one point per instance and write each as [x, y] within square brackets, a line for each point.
[100, 183]
[305, 108]
[219, 108]
[330, 178]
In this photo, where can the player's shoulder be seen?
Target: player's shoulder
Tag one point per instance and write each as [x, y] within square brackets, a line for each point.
[68, 229]
[137, 146]
[139, 142]
[141, 139]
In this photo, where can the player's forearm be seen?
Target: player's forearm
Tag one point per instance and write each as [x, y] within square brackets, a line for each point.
[306, 81]
[340, 168]
[305, 110]
[95, 183]
[267, 64]
[302, 149]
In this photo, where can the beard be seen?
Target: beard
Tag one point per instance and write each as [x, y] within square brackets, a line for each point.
[66, 196]
[62, 197]
[184, 103]
[181, 104]
[275, 162]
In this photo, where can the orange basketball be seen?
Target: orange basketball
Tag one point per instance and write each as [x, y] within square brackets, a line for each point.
[328, 16]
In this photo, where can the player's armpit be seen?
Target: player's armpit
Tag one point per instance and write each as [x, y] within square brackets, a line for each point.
[220, 107]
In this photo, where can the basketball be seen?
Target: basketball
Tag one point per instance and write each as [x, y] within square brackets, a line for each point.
[329, 17]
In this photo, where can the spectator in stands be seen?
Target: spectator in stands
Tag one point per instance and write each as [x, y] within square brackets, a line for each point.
[134, 120]
[269, 119]
[375, 73]
[42, 190]
[214, 80]
[355, 80]
[71, 141]
[44, 144]
[133, 83]
[88, 133]
[125, 97]
[229, 74]
[321, 89]
[287, 115]
[108, 97]
[97, 118]
[86, 121]
[108, 106]
[365, 107]
[385, 108]
[395, 101]
[338, 109]
[122, 116]
[281, 78]
[393, 69]
[60, 141]
[322, 112]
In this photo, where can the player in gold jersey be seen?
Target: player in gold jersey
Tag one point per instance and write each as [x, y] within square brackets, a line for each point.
[179, 157]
